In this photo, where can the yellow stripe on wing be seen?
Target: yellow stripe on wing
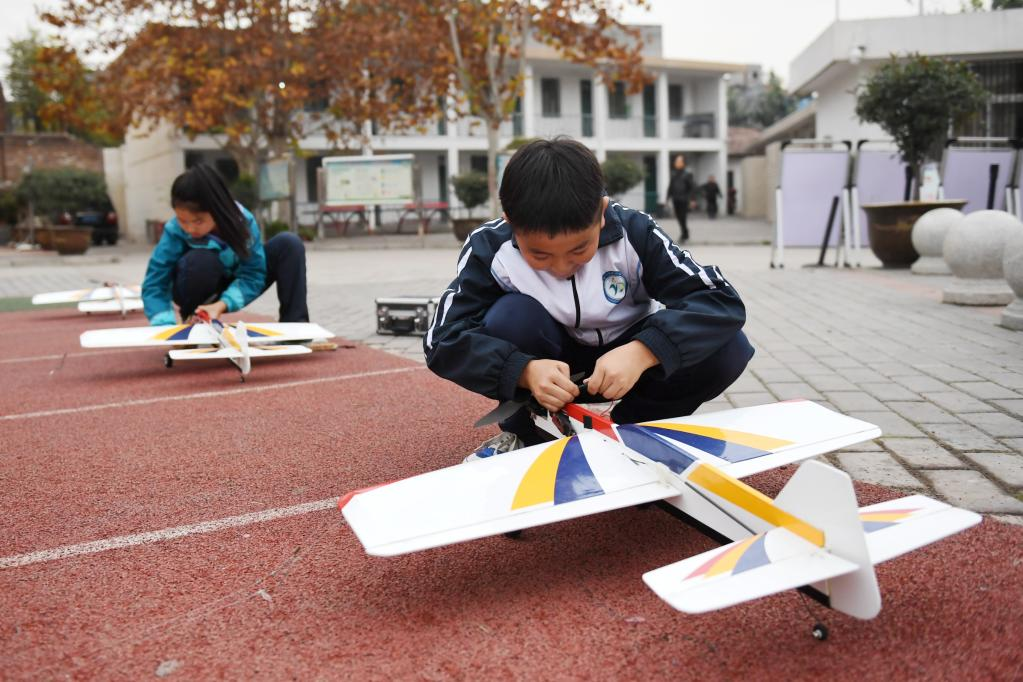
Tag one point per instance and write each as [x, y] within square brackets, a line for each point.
[755, 502]
[166, 334]
[751, 440]
[537, 486]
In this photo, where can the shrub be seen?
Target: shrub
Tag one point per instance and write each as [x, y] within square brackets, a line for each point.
[621, 174]
[275, 227]
[8, 207]
[471, 188]
[54, 191]
[245, 190]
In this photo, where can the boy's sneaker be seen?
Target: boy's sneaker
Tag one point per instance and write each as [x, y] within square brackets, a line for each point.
[506, 441]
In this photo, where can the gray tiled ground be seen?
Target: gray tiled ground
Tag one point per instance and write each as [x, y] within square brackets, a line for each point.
[945, 383]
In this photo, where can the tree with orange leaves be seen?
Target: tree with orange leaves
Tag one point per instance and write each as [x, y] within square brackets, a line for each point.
[257, 75]
[487, 42]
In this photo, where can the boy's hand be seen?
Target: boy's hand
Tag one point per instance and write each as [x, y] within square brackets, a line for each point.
[618, 370]
[550, 383]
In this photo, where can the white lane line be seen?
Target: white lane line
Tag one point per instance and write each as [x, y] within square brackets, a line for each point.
[248, 389]
[68, 551]
[58, 356]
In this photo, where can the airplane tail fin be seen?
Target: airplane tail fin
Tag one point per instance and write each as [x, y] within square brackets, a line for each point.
[823, 540]
[241, 335]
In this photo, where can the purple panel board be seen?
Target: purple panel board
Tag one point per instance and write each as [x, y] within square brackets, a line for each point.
[880, 178]
[810, 181]
[976, 174]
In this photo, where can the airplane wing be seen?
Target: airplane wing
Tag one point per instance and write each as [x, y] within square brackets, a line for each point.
[272, 332]
[899, 526]
[754, 567]
[94, 294]
[166, 335]
[110, 305]
[555, 481]
[257, 352]
[748, 440]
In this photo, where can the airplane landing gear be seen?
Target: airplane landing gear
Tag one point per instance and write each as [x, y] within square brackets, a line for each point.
[819, 632]
[168, 361]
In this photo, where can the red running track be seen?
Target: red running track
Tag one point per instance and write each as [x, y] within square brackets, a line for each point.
[296, 597]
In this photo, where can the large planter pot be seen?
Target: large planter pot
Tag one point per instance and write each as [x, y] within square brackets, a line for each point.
[463, 227]
[69, 241]
[890, 228]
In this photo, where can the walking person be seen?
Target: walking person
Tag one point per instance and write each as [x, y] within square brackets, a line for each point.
[680, 193]
[711, 194]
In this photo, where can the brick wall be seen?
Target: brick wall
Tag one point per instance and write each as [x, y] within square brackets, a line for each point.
[46, 150]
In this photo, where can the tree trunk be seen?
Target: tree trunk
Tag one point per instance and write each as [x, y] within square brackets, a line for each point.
[492, 130]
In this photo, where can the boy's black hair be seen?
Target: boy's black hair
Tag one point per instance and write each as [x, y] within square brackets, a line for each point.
[552, 186]
[201, 189]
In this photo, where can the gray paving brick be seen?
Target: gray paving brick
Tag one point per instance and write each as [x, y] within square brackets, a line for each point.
[747, 383]
[986, 390]
[922, 453]
[789, 391]
[775, 374]
[839, 362]
[830, 382]
[995, 423]
[920, 383]
[750, 399]
[865, 446]
[922, 412]
[962, 437]
[946, 373]
[889, 390]
[894, 369]
[877, 467]
[848, 401]
[716, 405]
[957, 401]
[1013, 406]
[1014, 444]
[1006, 468]
[891, 424]
[1016, 520]
[1013, 380]
[861, 375]
[972, 490]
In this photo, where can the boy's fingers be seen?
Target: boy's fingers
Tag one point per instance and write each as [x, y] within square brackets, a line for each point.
[595, 382]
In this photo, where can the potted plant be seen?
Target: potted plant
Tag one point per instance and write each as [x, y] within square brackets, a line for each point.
[914, 100]
[620, 175]
[471, 189]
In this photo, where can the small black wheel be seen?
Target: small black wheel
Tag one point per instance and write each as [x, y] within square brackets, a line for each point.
[820, 632]
[513, 534]
[168, 361]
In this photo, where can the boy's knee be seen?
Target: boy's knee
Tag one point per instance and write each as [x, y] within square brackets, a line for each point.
[523, 321]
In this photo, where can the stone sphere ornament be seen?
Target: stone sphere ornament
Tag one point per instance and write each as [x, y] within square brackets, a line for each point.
[1012, 265]
[973, 251]
[929, 239]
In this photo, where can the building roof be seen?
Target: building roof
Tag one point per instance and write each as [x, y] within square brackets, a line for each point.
[973, 35]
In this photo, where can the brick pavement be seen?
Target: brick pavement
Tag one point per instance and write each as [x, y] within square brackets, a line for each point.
[944, 383]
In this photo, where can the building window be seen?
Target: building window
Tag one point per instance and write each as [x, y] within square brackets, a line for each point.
[675, 109]
[550, 97]
[586, 106]
[312, 186]
[617, 101]
[478, 162]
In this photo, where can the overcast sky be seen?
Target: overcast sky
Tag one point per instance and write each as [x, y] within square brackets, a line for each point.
[766, 32]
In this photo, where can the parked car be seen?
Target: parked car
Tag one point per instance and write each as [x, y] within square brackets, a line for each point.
[103, 222]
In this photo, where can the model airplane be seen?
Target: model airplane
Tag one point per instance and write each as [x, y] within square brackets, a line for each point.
[239, 343]
[110, 297]
[812, 536]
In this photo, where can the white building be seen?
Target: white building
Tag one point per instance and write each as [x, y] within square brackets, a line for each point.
[849, 51]
[684, 110]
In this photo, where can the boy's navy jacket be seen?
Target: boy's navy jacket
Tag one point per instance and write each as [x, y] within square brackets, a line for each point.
[636, 267]
[249, 275]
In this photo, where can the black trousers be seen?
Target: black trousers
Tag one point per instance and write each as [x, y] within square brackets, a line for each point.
[682, 214]
[199, 278]
[523, 321]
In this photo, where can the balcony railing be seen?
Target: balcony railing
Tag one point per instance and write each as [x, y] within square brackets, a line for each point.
[477, 127]
[547, 126]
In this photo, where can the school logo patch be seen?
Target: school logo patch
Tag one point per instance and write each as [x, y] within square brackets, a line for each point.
[615, 286]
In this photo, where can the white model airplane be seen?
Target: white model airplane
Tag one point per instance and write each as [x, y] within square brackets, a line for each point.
[238, 343]
[812, 536]
[108, 298]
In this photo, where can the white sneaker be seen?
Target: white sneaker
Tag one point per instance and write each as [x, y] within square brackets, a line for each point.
[506, 441]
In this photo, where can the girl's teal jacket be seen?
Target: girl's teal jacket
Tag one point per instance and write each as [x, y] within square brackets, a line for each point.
[249, 275]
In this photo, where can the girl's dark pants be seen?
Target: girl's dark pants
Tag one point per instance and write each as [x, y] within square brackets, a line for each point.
[523, 321]
[199, 278]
